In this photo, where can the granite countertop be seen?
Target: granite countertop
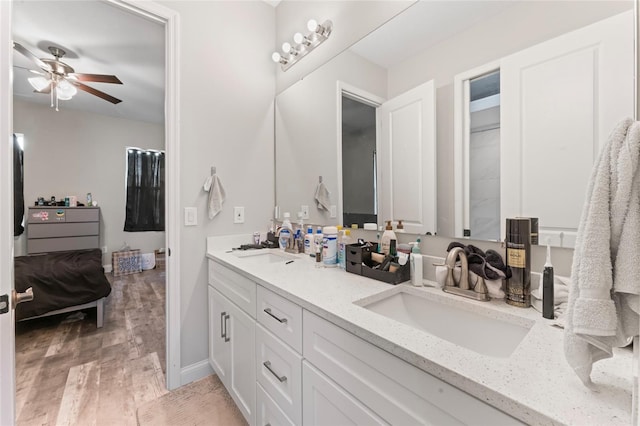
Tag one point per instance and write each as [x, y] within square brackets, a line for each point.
[534, 384]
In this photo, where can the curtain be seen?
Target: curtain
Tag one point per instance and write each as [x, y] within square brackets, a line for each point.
[145, 191]
[18, 187]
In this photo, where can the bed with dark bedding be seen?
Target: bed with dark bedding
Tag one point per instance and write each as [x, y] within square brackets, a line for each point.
[62, 282]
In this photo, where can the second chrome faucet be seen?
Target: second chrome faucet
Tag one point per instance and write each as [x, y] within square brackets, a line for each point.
[464, 286]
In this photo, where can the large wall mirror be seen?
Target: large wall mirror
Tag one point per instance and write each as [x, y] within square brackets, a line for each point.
[485, 110]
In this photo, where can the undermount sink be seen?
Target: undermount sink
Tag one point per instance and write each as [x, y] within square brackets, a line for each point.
[265, 255]
[481, 333]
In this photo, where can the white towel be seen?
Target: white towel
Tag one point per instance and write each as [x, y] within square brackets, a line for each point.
[216, 195]
[322, 197]
[604, 288]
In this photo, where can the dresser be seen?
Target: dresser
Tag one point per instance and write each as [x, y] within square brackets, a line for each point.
[51, 228]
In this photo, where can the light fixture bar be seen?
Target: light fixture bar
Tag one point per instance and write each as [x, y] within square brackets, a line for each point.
[303, 44]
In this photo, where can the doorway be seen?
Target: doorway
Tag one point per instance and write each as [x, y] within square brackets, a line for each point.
[359, 169]
[169, 19]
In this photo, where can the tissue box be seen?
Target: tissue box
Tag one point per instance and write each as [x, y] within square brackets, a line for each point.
[126, 262]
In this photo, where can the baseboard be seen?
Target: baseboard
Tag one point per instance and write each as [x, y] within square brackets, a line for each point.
[108, 268]
[194, 372]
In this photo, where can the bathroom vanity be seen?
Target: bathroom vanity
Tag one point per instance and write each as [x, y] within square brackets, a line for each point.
[296, 344]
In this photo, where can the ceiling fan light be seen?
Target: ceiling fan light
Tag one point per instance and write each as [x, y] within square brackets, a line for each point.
[38, 83]
[65, 90]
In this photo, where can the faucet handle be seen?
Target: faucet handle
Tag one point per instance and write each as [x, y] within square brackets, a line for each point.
[479, 286]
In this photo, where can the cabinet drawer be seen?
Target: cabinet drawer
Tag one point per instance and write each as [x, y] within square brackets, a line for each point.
[44, 245]
[280, 316]
[268, 412]
[237, 288]
[279, 372]
[64, 229]
[397, 391]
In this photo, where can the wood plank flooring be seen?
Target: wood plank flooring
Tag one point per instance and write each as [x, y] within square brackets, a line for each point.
[68, 372]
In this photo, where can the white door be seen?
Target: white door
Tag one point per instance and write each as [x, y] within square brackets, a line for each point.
[326, 403]
[407, 146]
[562, 96]
[218, 347]
[7, 338]
[241, 329]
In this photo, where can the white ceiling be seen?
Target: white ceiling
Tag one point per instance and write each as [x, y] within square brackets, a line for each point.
[99, 38]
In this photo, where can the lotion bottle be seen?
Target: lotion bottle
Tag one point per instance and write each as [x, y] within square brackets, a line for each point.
[547, 286]
[387, 236]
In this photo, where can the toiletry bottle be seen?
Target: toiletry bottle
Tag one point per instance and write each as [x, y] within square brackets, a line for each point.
[379, 243]
[317, 242]
[518, 256]
[400, 226]
[330, 246]
[387, 236]
[416, 264]
[285, 231]
[342, 248]
[547, 286]
[308, 242]
[272, 241]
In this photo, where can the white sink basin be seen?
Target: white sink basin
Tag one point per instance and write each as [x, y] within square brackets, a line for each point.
[486, 332]
[265, 255]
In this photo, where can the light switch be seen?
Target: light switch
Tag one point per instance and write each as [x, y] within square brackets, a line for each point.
[190, 216]
[305, 211]
[333, 211]
[238, 215]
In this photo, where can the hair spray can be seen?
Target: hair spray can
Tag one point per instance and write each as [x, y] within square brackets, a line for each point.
[518, 257]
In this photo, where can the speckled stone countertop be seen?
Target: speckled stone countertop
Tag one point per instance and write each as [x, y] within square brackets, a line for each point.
[534, 384]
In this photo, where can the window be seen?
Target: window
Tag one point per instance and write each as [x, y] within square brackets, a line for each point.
[145, 190]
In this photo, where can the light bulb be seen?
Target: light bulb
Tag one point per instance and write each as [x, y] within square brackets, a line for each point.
[65, 90]
[38, 83]
[276, 57]
[286, 47]
[298, 38]
[312, 25]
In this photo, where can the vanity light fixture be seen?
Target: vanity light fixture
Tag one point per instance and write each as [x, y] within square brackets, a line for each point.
[303, 44]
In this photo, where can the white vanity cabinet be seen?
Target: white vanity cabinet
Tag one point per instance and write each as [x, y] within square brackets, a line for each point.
[232, 336]
[396, 392]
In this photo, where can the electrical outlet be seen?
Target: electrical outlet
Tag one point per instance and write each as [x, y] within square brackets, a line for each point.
[305, 212]
[333, 211]
[104, 249]
[238, 215]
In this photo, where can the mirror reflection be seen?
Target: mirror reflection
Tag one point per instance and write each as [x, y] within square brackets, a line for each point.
[553, 111]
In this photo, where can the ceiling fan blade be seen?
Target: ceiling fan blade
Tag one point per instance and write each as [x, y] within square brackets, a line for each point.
[20, 48]
[95, 92]
[97, 78]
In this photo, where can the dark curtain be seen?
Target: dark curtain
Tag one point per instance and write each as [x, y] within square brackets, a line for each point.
[18, 187]
[145, 191]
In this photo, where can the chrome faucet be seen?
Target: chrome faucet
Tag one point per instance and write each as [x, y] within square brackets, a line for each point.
[291, 246]
[476, 290]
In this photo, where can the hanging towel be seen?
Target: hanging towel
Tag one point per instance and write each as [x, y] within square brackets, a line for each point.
[322, 197]
[216, 195]
[604, 290]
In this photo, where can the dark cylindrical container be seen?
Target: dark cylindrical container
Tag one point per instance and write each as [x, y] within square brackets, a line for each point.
[518, 257]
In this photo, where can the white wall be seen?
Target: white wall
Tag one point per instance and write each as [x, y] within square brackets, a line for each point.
[352, 20]
[73, 152]
[522, 25]
[227, 87]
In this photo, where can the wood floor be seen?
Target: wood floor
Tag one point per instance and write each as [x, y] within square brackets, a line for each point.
[68, 372]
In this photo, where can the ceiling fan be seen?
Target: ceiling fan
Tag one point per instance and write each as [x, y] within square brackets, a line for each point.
[61, 80]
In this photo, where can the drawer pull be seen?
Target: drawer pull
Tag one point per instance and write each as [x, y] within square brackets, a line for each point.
[268, 365]
[222, 314]
[268, 312]
[226, 317]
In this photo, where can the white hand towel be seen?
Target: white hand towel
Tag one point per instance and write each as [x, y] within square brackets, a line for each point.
[600, 313]
[322, 196]
[216, 195]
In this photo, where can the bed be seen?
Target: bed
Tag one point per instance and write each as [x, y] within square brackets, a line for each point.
[63, 265]
[62, 282]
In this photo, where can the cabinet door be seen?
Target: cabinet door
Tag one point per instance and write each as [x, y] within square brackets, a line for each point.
[326, 403]
[241, 329]
[218, 348]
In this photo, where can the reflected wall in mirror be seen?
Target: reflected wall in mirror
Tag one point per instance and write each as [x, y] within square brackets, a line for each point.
[448, 39]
